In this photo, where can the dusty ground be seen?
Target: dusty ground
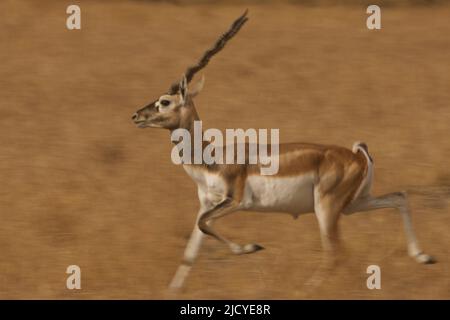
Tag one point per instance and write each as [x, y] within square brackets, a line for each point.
[81, 185]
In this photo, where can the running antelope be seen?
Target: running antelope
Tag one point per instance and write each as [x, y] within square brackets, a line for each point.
[324, 179]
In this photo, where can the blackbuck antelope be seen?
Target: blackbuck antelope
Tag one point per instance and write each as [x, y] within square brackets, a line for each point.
[325, 179]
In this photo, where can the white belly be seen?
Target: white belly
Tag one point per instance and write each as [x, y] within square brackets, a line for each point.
[282, 194]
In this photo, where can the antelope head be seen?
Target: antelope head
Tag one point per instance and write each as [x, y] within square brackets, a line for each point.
[175, 109]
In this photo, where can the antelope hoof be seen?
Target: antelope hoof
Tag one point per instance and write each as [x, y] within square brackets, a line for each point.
[253, 247]
[425, 259]
[248, 248]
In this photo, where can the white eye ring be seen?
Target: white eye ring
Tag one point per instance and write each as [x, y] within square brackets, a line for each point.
[160, 107]
[165, 102]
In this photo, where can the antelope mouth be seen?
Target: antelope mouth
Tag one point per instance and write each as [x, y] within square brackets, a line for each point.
[141, 124]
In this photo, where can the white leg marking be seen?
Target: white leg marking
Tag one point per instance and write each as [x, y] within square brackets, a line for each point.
[399, 201]
[190, 254]
[327, 220]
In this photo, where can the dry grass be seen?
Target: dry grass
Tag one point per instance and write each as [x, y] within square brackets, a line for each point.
[81, 185]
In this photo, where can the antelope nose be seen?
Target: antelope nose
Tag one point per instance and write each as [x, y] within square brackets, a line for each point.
[134, 117]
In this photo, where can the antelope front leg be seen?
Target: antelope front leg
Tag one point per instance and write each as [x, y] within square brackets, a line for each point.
[223, 208]
[189, 256]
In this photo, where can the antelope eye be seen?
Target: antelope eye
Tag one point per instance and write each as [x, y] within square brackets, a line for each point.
[164, 103]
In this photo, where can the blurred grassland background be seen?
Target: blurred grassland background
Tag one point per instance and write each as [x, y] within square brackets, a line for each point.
[79, 184]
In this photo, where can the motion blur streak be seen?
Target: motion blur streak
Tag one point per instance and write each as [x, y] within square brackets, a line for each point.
[81, 186]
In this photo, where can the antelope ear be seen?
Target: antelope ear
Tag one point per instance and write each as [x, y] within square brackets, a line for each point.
[197, 87]
[183, 89]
